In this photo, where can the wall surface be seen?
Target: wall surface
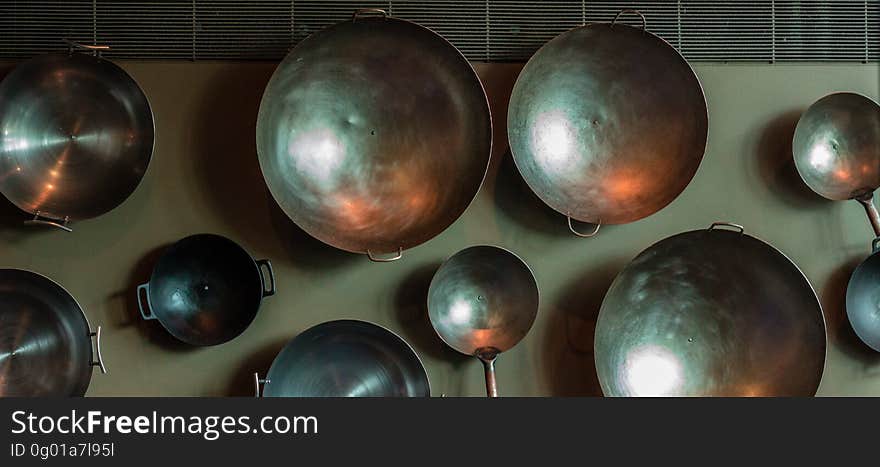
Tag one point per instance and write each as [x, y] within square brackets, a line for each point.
[204, 177]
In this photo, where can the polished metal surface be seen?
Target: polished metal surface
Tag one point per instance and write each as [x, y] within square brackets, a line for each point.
[607, 123]
[347, 358]
[482, 301]
[374, 135]
[863, 299]
[205, 290]
[710, 313]
[836, 149]
[76, 136]
[45, 340]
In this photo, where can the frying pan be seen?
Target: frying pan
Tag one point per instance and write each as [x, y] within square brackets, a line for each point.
[374, 135]
[482, 301]
[45, 339]
[863, 299]
[710, 312]
[77, 136]
[345, 358]
[607, 123]
[205, 289]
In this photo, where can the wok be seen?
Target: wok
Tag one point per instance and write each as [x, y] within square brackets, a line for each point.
[836, 149]
[45, 339]
[863, 299]
[345, 358]
[607, 124]
[710, 313]
[374, 135]
[482, 301]
[77, 137]
[205, 289]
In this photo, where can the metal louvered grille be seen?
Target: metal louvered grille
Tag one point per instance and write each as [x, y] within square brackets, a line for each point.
[484, 30]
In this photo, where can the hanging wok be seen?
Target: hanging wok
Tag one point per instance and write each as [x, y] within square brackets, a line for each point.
[482, 301]
[45, 339]
[205, 290]
[710, 313]
[345, 358]
[607, 123]
[374, 135]
[863, 299]
[76, 136]
[836, 150]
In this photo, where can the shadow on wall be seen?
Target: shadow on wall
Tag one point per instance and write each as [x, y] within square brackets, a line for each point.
[519, 203]
[839, 330]
[776, 167]
[568, 361]
[242, 382]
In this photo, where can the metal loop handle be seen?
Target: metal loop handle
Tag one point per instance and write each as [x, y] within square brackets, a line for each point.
[875, 245]
[146, 312]
[636, 12]
[727, 224]
[581, 234]
[376, 259]
[362, 11]
[96, 49]
[39, 220]
[268, 266]
[100, 361]
[257, 383]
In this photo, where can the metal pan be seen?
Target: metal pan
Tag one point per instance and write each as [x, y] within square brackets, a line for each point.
[863, 299]
[374, 135]
[836, 150]
[77, 136]
[45, 339]
[482, 301]
[710, 313]
[607, 123]
[205, 289]
[345, 358]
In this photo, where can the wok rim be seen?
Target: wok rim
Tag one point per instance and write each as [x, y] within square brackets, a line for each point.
[528, 268]
[418, 359]
[797, 268]
[473, 74]
[141, 93]
[705, 143]
[158, 314]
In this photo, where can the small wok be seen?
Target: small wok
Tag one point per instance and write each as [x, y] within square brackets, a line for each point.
[482, 301]
[205, 289]
[77, 137]
[45, 339]
[374, 135]
[607, 123]
[863, 299]
[345, 358]
[836, 150]
[710, 313]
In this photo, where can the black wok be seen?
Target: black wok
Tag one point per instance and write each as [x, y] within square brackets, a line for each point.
[346, 358]
[205, 289]
[45, 338]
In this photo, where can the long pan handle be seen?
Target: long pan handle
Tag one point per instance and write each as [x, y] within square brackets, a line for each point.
[867, 202]
[489, 369]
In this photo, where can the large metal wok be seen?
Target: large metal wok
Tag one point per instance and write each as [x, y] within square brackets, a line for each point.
[710, 313]
[374, 135]
[45, 339]
[345, 358]
[482, 301]
[205, 289]
[607, 124]
[76, 136]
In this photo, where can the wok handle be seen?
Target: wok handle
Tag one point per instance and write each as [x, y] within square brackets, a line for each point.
[377, 259]
[257, 383]
[363, 11]
[146, 311]
[39, 220]
[581, 234]
[267, 265]
[635, 12]
[727, 224]
[867, 202]
[875, 245]
[100, 360]
[96, 49]
[489, 369]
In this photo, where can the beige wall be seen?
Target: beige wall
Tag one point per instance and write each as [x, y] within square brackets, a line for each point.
[204, 177]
